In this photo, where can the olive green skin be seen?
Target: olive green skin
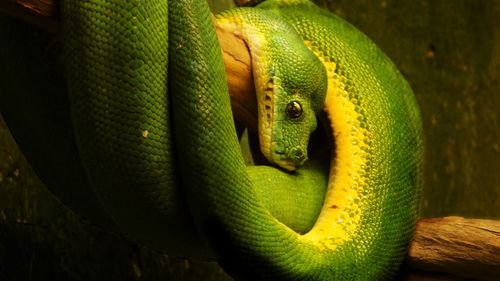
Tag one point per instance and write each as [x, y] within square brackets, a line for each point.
[155, 131]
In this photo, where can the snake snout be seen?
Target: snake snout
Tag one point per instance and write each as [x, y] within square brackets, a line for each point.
[292, 160]
[297, 156]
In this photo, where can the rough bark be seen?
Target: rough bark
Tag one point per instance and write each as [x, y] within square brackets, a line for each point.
[457, 246]
[43, 13]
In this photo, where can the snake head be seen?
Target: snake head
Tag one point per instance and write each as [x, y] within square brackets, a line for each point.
[287, 105]
[290, 83]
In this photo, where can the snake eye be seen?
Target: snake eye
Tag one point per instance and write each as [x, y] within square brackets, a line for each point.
[293, 109]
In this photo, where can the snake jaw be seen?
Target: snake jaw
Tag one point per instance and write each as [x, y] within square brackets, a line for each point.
[287, 165]
[265, 140]
[289, 160]
[270, 137]
[265, 119]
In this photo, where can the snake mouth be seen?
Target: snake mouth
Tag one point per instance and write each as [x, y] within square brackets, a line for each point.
[290, 159]
[266, 120]
[288, 165]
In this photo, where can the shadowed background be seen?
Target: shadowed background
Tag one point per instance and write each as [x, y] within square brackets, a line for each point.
[448, 50]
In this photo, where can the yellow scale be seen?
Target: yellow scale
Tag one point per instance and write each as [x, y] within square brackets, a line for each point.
[341, 212]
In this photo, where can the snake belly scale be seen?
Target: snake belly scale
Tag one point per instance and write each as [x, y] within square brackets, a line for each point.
[155, 131]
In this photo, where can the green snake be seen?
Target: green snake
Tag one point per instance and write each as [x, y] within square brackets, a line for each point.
[154, 128]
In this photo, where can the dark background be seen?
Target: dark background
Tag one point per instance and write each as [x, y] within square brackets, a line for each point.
[448, 50]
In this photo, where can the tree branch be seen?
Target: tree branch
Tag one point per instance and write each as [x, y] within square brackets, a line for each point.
[457, 246]
[43, 13]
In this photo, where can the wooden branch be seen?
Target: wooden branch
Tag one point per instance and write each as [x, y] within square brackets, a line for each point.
[458, 246]
[43, 13]
[442, 249]
[237, 61]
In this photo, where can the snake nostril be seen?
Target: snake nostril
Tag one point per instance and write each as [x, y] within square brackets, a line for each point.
[297, 155]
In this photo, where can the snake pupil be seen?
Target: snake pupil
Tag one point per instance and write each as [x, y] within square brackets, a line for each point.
[293, 109]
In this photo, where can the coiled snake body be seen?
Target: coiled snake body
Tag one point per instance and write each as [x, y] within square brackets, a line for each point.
[154, 128]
